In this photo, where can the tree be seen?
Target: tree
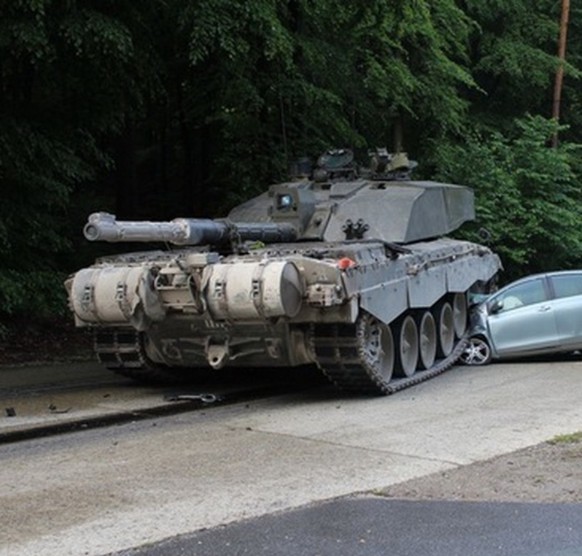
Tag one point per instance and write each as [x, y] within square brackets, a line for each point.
[571, 106]
[528, 195]
[513, 51]
[411, 57]
[273, 81]
[65, 83]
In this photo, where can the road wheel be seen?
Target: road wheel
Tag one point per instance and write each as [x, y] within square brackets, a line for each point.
[406, 348]
[445, 329]
[427, 337]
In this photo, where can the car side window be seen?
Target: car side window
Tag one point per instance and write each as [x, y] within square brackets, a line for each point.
[521, 295]
[567, 285]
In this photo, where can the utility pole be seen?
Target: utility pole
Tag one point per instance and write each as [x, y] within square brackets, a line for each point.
[560, 70]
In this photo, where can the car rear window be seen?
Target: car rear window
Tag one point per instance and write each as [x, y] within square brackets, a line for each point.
[567, 285]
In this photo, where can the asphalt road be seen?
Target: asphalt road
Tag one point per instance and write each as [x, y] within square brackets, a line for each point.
[259, 465]
[370, 526]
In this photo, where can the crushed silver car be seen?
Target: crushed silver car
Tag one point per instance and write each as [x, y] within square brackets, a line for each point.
[537, 315]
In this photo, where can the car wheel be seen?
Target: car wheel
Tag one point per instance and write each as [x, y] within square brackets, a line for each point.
[477, 352]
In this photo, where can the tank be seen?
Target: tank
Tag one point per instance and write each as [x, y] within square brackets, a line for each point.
[348, 269]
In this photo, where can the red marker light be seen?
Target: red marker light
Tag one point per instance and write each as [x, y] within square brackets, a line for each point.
[345, 262]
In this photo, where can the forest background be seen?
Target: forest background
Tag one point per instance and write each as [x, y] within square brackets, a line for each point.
[153, 110]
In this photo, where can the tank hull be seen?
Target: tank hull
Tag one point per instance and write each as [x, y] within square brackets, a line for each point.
[176, 311]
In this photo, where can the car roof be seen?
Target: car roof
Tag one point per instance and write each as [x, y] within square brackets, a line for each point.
[540, 275]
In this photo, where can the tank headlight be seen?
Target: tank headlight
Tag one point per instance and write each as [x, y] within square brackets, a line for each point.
[284, 201]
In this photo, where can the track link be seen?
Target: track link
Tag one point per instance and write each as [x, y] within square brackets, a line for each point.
[338, 355]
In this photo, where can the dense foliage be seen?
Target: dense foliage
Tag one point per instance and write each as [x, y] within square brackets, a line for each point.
[155, 110]
[528, 196]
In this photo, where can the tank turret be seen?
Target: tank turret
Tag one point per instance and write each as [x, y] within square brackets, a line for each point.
[349, 269]
[380, 203]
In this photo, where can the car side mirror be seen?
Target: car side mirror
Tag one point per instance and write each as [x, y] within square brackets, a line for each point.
[495, 306]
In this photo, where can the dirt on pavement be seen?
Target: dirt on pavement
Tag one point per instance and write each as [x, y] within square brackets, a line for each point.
[548, 472]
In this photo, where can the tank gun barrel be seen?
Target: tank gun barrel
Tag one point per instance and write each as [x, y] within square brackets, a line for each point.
[103, 226]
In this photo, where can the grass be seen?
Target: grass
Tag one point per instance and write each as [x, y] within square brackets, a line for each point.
[567, 438]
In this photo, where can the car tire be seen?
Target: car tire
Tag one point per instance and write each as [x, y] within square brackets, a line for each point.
[477, 352]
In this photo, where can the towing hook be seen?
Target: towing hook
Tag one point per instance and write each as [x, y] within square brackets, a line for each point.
[204, 398]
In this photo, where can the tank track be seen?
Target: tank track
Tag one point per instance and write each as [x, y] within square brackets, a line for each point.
[335, 347]
[339, 358]
[122, 351]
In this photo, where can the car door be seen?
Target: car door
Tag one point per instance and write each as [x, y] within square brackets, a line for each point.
[567, 308]
[521, 320]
